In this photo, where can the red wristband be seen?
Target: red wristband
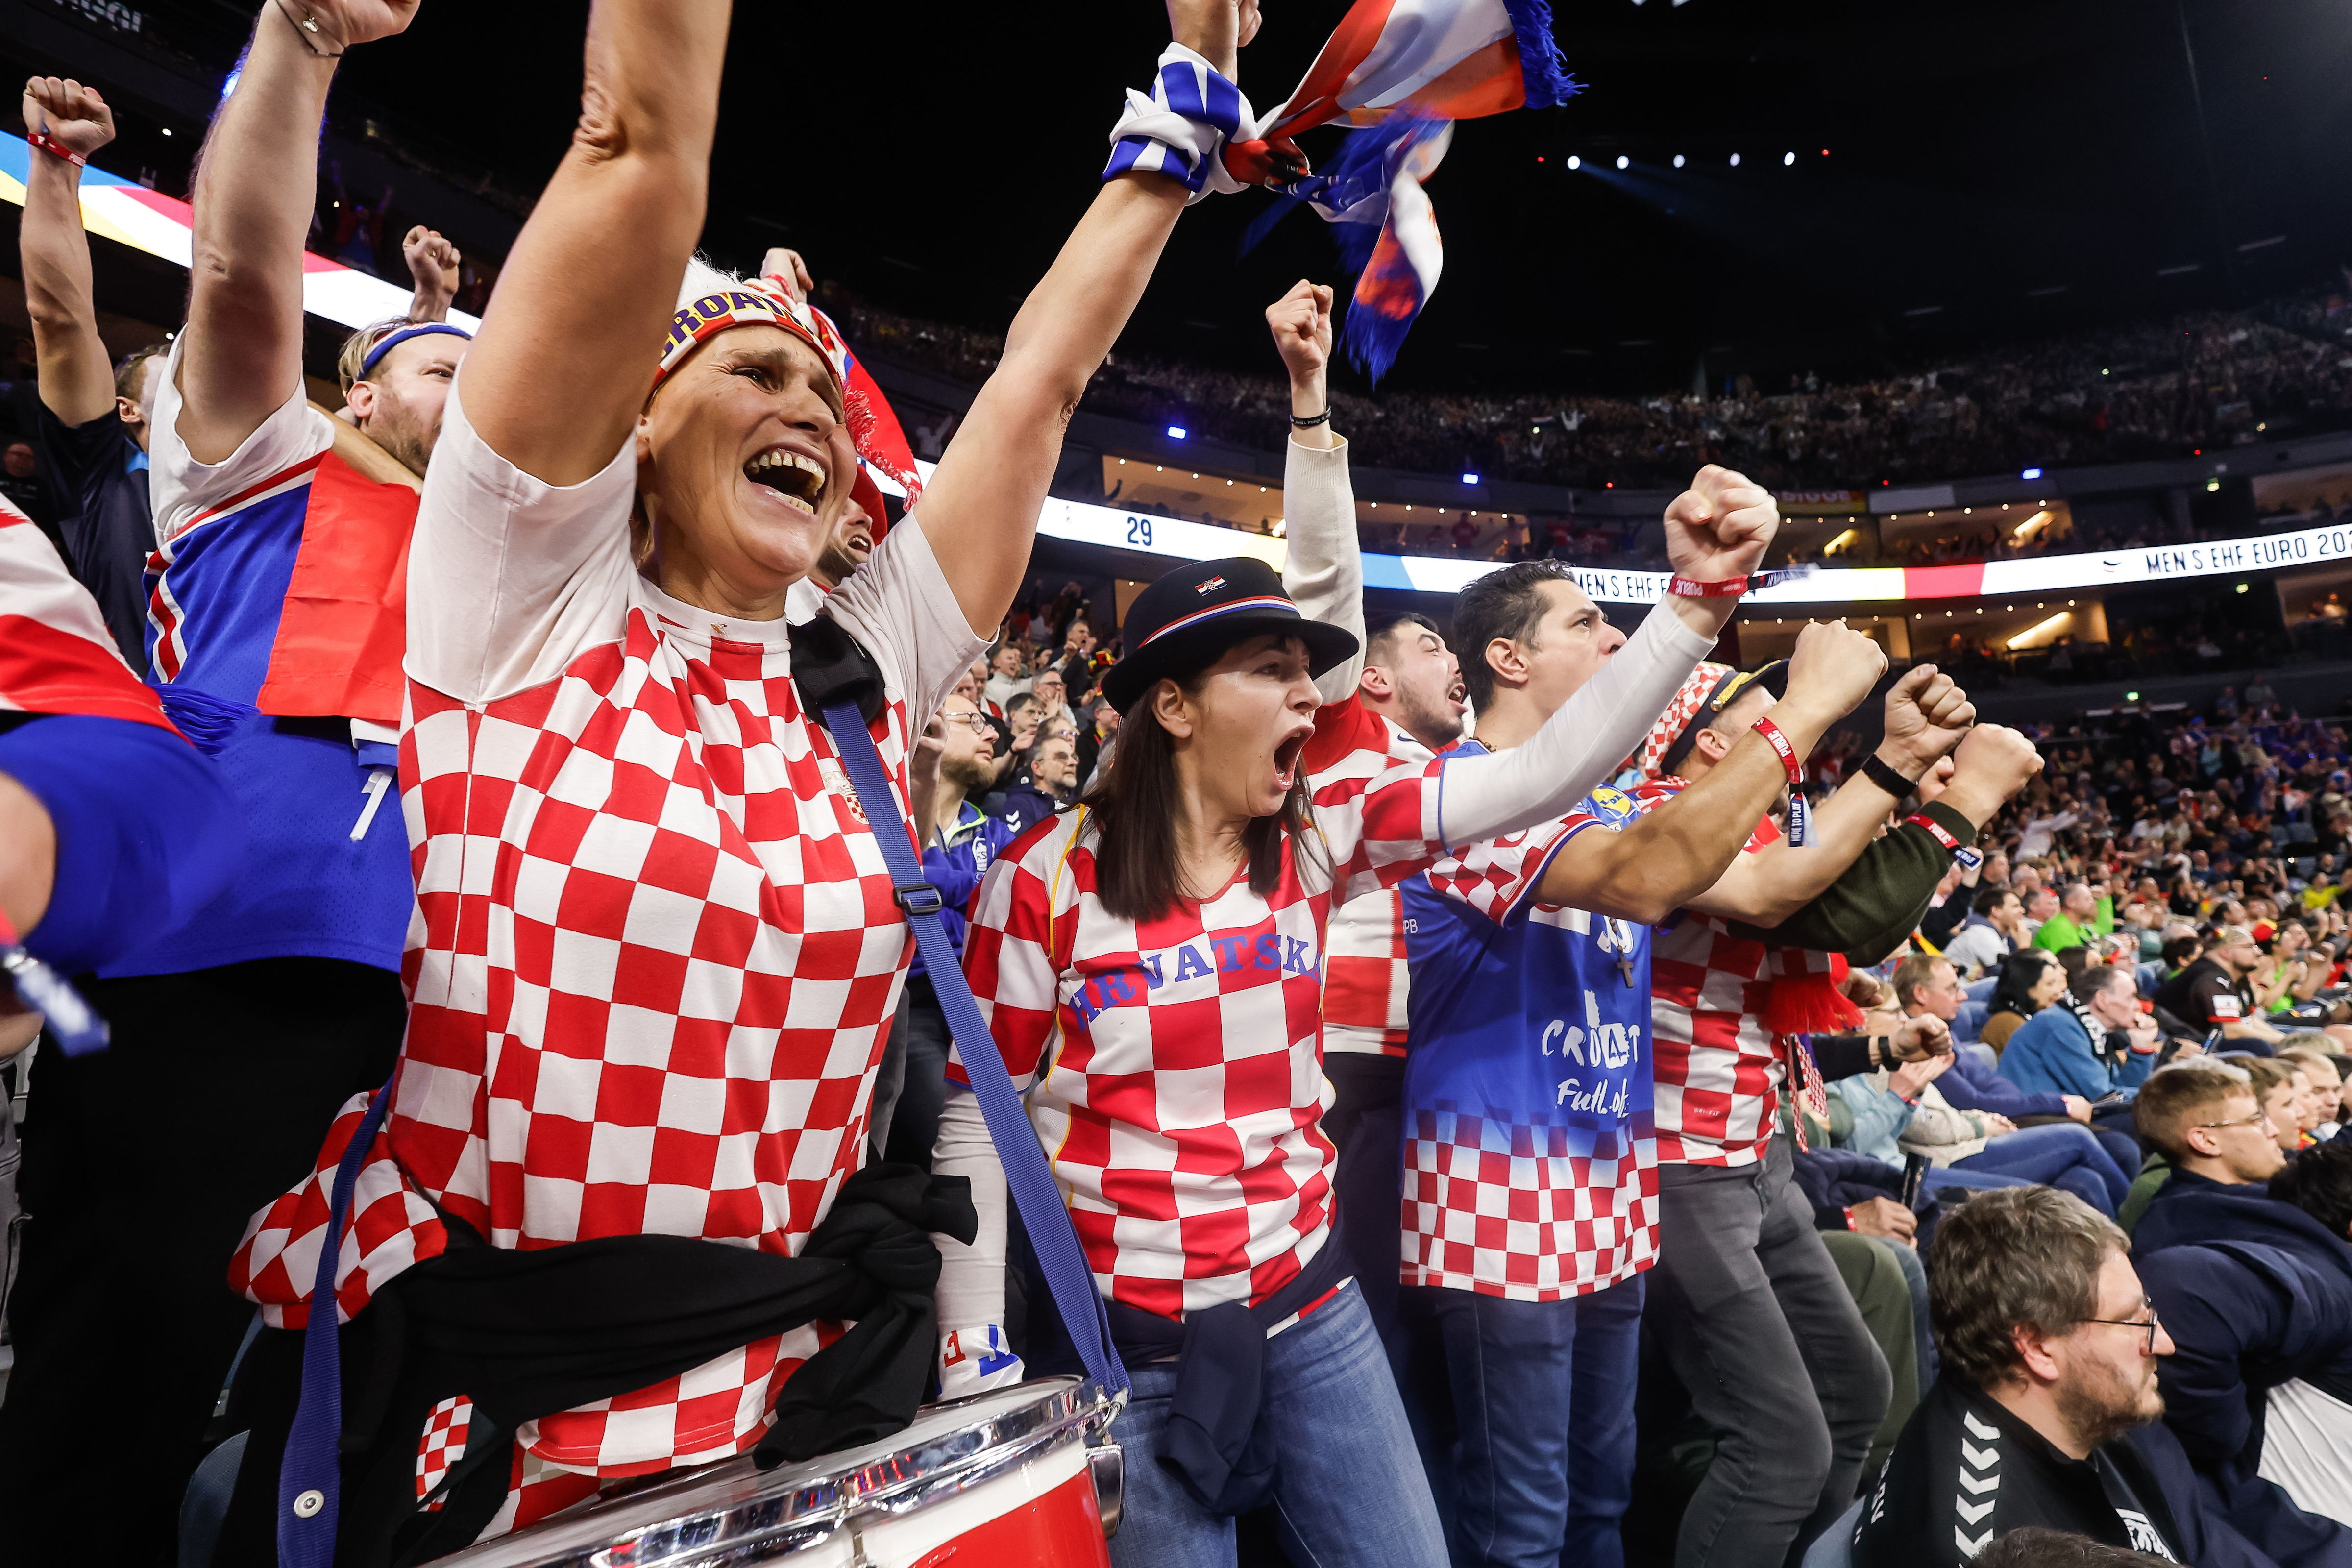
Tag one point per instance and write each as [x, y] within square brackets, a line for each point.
[1688, 588]
[1849, 1217]
[8, 931]
[1793, 765]
[55, 149]
[1941, 835]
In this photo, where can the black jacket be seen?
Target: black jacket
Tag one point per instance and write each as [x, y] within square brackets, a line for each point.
[1965, 1471]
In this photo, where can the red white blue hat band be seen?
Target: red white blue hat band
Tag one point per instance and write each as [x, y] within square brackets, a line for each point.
[1273, 602]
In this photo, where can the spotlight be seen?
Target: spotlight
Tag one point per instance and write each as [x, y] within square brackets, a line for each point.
[1574, 161]
[1176, 432]
[1735, 160]
[1787, 159]
[1623, 160]
[2029, 474]
[1469, 479]
[1678, 159]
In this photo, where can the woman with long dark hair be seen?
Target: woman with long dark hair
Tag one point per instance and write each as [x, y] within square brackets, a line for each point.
[1151, 968]
[2031, 979]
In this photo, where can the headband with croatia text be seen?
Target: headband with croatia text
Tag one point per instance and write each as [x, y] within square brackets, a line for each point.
[709, 302]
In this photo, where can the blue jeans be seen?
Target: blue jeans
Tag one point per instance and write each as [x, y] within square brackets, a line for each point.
[2067, 1156]
[1543, 1400]
[1350, 1489]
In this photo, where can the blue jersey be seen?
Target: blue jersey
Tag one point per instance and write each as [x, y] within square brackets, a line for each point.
[1530, 1166]
[325, 873]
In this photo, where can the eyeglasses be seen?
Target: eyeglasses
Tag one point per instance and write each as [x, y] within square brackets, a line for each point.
[979, 721]
[2256, 1120]
[2147, 1325]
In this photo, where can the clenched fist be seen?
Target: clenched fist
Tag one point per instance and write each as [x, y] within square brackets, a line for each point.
[1927, 714]
[1832, 669]
[434, 263]
[1301, 324]
[74, 115]
[329, 27]
[1720, 527]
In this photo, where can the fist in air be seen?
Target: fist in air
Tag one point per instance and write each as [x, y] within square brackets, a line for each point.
[1833, 667]
[432, 262]
[74, 115]
[784, 265]
[1997, 758]
[1720, 527]
[1927, 714]
[1301, 324]
[329, 27]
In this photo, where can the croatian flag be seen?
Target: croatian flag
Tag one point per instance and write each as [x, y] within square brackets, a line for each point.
[56, 654]
[1401, 72]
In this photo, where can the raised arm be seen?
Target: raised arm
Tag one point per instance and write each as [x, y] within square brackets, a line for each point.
[77, 381]
[1323, 569]
[1660, 862]
[436, 266]
[980, 510]
[257, 184]
[560, 370]
[1926, 717]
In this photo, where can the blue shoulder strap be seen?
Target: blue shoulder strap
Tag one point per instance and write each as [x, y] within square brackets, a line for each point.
[1030, 1179]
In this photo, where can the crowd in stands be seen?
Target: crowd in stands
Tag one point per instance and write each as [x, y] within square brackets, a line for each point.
[2160, 389]
[543, 950]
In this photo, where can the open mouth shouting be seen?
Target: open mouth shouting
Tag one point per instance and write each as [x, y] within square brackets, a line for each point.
[794, 478]
[1285, 758]
[1459, 695]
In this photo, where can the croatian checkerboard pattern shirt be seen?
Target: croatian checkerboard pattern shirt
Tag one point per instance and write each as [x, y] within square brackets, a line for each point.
[1530, 1163]
[1718, 1068]
[1365, 988]
[654, 954]
[1172, 1066]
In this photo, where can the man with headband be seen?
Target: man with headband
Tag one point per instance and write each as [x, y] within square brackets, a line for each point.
[1745, 1298]
[275, 604]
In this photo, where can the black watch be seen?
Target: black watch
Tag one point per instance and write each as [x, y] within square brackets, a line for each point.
[1886, 778]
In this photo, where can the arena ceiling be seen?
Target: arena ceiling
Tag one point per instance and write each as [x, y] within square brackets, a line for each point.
[1994, 169]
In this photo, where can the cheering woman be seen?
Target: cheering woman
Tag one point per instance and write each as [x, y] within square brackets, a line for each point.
[1151, 966]
[656, 953]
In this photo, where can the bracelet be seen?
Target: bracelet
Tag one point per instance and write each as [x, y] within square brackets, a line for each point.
[1936, 830]
[1689, 588]
[1886, 778]
[1849, 1217]
[1791, 763]
[1308, 422]
[306, 25]
[55, 147]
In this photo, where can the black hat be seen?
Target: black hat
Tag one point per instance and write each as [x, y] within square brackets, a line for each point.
[1184, 621]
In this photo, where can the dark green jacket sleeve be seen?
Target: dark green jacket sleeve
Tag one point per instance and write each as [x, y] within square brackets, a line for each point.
[1867, 913]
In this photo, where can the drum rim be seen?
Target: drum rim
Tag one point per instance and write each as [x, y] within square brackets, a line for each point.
[1060, 1411]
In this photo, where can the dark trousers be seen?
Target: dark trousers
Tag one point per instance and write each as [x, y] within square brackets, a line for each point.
[1366, 1125]
[1755, 1320]
[1541, 1466]
[142, 1165]
[920, 1039]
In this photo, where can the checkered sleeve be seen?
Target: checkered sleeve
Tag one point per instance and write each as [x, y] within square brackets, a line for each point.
[1009, 952]
[1499, 876]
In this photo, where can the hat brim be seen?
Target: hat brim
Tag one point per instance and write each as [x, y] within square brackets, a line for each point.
[1126, 682]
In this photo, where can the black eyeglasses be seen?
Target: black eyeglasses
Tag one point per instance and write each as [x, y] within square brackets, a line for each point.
[2147, 1325]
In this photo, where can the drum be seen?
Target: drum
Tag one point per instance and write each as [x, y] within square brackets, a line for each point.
[1007, 1476]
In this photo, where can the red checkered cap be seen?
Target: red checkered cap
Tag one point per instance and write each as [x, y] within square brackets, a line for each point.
[1688, 699]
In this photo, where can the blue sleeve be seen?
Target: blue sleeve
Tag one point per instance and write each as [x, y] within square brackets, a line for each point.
[2137, 1066]
[1970, 1086]
[2217, 1310]
[1880, 1115]
[147, 832]
[952, 876]
[2045, 1058]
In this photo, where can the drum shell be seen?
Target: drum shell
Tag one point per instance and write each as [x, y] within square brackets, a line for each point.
[1000, 1476]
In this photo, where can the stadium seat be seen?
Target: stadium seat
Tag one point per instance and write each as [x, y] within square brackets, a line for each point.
[1969, 1023]
[1981, 989]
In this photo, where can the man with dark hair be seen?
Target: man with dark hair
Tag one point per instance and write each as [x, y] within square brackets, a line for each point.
[90, 420]
[2046, 1414]
[1994, 930]
[2083, 911]
[2213, 992]
[2261, 1382]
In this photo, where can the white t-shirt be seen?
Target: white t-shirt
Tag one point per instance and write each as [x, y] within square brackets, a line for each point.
[656, 955]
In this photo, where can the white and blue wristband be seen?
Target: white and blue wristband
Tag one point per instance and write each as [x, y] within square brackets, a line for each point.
[1182, 129]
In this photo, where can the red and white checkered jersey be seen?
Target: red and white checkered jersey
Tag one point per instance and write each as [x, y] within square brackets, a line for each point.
[56, 654]
[1365, 990]
[1170, 1064]
[1718, 1068]
[654, 954]
[1520, 1182]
